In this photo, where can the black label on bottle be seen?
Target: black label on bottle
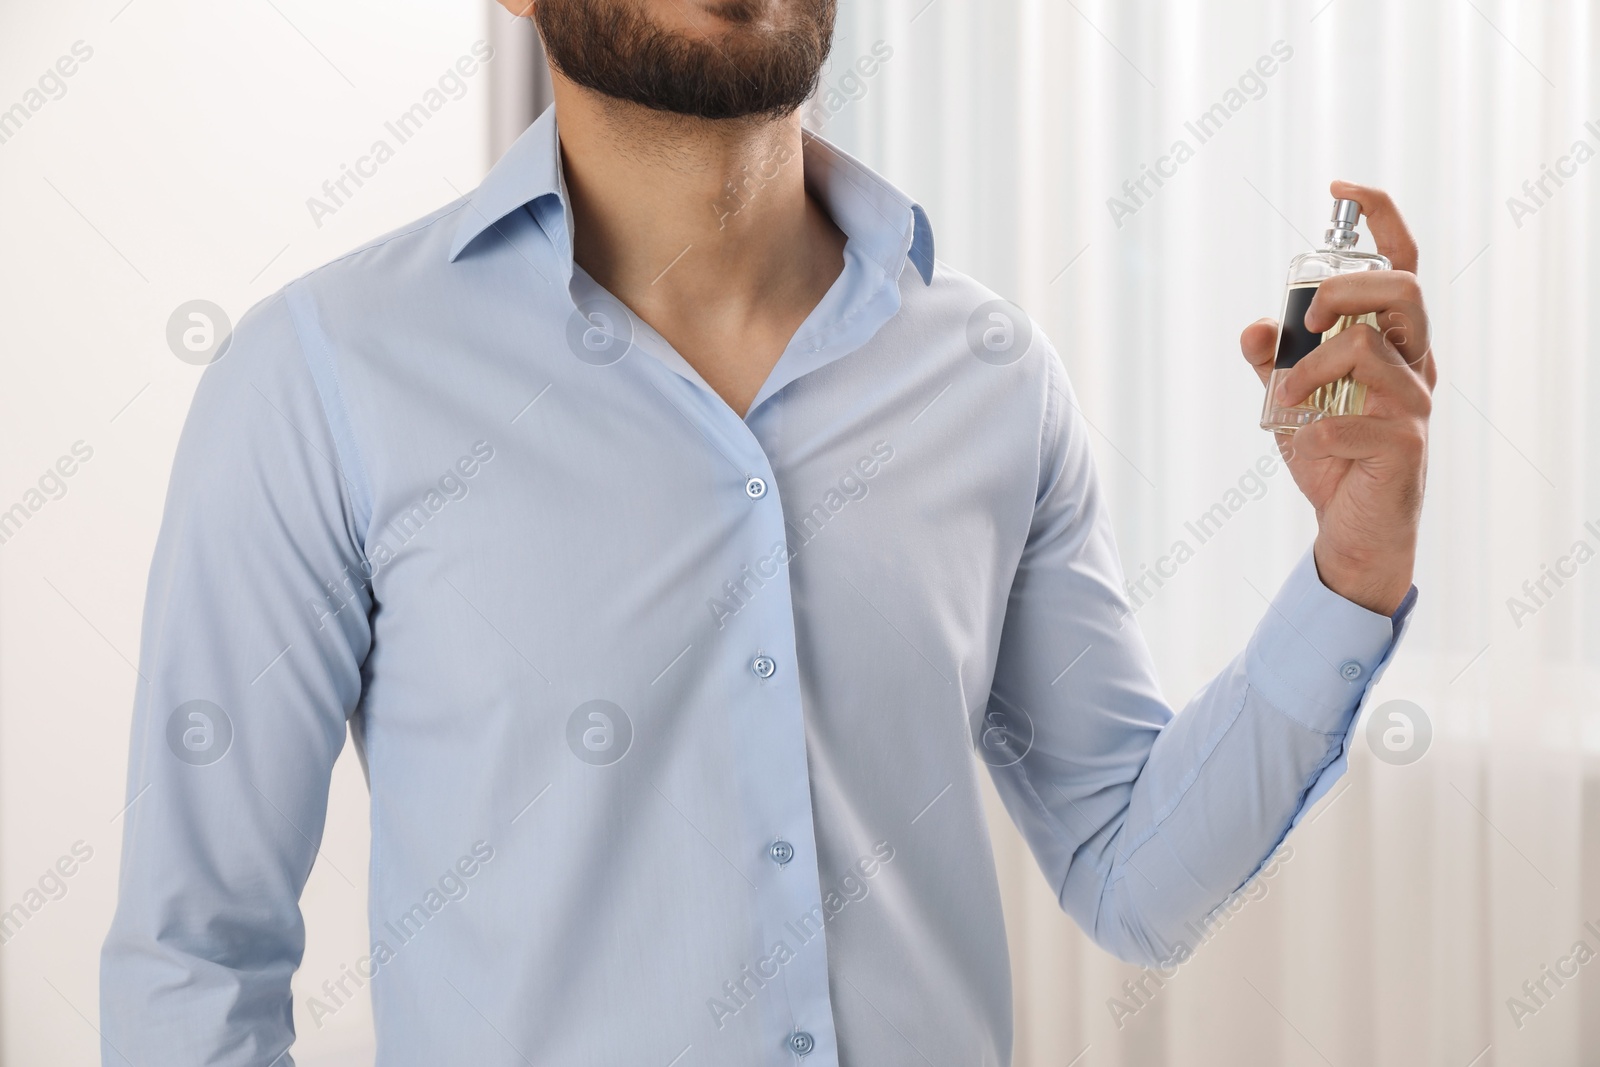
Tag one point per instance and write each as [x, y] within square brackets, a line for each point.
[1295, 342]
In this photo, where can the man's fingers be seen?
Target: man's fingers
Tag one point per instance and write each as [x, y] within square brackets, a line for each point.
[1389, 230]
[1258, 342]
[1394, 296]
[1361, 292]
[1362, 353]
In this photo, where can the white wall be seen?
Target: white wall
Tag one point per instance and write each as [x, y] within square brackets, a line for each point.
[176, 166]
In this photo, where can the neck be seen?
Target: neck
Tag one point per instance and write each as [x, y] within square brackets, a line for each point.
[672, 212]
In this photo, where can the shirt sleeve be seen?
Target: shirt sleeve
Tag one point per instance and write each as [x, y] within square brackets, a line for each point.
[255, 629]
[1145, 821]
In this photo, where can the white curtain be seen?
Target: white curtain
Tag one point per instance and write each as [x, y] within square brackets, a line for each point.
[1414, 904]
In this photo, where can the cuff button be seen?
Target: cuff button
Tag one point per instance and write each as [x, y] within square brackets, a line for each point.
[1351, 670]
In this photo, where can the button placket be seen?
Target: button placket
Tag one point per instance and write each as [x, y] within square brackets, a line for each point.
[772, 722]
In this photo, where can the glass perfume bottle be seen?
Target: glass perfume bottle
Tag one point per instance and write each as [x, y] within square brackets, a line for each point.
[1307, 271]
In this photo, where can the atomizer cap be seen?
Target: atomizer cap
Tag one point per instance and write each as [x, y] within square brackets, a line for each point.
[1346, 213]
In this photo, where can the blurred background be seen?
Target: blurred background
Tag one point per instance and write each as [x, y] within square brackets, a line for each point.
[1440, 907]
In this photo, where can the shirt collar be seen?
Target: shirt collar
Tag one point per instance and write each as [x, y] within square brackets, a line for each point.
[886, 224]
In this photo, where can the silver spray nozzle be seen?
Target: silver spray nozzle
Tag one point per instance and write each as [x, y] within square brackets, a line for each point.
[1346, 213]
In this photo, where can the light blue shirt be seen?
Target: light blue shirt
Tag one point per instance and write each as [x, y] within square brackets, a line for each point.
[673, 721]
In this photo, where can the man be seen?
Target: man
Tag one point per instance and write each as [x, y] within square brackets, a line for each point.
[670, 529]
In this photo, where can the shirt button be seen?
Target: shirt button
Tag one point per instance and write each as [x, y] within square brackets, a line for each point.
[755, 489]
[782, 852]
[1351, 670]
[764, 666]
[801, 1043]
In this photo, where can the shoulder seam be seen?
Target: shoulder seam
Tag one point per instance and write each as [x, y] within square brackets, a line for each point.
[335, 412]
[1051, 430]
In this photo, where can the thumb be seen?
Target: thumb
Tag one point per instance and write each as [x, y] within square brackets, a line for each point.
[1258, 343]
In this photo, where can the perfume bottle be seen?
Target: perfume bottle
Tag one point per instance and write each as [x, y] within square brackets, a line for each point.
[1307, 271]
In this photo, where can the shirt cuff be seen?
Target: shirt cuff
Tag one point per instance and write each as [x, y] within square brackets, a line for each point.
[1301, 656]
[1315, 653]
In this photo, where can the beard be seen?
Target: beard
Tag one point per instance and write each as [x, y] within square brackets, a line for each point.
[613, 48]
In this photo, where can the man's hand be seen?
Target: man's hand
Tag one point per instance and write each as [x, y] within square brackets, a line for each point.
[1363, 474]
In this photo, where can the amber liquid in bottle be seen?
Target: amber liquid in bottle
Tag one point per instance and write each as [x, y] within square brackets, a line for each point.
[1306, 272]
